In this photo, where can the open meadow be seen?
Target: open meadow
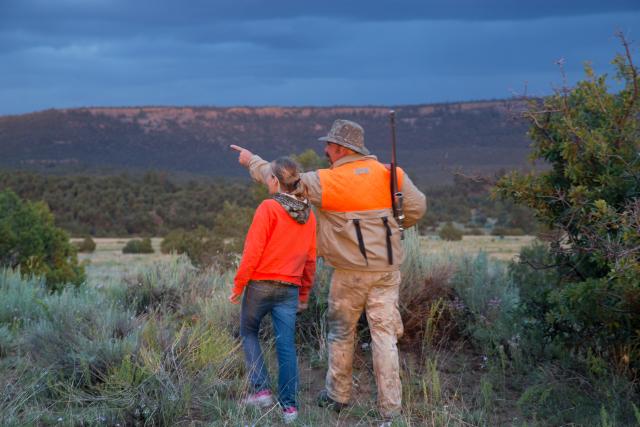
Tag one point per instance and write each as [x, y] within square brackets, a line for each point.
[108, 263]
[503, 248]
[152, 340]
[176, 358]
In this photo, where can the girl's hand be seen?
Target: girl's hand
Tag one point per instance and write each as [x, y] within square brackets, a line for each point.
[235, 298]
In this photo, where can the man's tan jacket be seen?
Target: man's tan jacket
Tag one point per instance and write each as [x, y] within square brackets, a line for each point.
[357, 230]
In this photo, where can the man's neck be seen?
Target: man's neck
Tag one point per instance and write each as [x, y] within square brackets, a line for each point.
[351, 158]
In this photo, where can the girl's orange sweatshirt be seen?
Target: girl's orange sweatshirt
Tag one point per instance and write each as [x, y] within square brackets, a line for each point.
[278, 248]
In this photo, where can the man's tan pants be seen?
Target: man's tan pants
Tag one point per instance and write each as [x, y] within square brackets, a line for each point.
[377, 292]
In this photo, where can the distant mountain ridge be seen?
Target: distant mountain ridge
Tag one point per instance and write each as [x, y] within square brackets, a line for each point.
[433, 140]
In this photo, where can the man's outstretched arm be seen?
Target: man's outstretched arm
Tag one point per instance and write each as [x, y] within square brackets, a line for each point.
[260, 171]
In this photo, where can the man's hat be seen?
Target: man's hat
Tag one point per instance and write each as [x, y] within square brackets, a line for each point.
[348, 134]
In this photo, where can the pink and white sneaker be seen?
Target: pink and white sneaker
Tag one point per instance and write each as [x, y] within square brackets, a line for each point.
[290, 413]
[261, 399]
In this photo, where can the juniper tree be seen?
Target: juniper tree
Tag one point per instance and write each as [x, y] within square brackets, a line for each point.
[589, 135]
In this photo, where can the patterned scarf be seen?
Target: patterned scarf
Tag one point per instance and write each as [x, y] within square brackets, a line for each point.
[297, 209]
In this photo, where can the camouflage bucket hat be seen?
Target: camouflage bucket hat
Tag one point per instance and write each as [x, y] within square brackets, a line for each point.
[348, 134]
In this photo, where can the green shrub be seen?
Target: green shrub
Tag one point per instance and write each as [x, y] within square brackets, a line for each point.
[20, 298]
[310, 160]
[7, 341]
[221, 246]
[589, 196]
[79, 337]
[486, 302]
[175, 241]
[535, 283]
[83, 357]
[160, 287]
[563, 395]
[312, 323]
[137, 246]
[177, 375]
[598, 314]
[601, 316]
[212, 303]
[204, 248]
[450, 232]
[87, 245]
[30, 241]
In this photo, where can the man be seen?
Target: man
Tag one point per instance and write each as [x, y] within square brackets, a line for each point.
[360, 238]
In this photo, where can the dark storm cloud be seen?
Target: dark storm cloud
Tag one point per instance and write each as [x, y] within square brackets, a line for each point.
[115, 52]
[194, 11]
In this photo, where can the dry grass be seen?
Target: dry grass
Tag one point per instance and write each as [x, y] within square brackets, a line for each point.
[425, 309]
[187, 369]
[108, 264]
[500, 248]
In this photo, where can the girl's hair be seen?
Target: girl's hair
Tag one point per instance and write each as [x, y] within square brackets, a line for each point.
[288, 172]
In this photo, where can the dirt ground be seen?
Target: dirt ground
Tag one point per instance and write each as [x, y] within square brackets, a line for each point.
[456, 393]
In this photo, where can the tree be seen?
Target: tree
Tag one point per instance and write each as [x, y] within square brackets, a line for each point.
[87, 245]
[220, 246]
[590, 197]
[30, 241]
[450, 232]
[138, 246]
[310, 160]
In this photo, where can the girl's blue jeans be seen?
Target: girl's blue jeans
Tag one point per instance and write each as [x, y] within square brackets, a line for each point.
[281, 301]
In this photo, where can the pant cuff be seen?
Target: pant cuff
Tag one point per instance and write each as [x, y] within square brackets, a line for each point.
[332, 396]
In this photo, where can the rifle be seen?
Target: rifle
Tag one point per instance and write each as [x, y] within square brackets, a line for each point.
[396, 195]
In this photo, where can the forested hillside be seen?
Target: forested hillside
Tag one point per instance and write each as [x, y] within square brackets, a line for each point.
[433, 140]
[155, 203]
[121, 205]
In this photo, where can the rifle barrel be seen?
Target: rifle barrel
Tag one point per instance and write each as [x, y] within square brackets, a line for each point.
[396, 195]
[392, 118]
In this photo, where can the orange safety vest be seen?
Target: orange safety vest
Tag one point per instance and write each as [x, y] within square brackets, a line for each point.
[359, 186]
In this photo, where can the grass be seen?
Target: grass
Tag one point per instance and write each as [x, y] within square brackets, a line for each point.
[504, 248]
[156, 343]
[107, 264]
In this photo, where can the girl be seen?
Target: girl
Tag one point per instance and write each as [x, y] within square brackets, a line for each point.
[276, 274]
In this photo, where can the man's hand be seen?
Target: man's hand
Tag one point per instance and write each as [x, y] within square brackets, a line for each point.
[245, 155]
[235, 298]
[302, 306]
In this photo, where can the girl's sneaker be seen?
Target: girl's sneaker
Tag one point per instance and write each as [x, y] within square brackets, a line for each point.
[290, 413]
[262, 399]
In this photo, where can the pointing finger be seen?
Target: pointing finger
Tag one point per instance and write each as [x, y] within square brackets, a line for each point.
[235, 147]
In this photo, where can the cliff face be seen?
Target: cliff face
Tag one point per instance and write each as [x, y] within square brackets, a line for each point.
[433, 140]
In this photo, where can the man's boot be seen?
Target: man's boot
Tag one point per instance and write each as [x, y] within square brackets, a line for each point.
[324, 401]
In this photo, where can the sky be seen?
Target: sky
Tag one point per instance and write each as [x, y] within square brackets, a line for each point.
[77, 53]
